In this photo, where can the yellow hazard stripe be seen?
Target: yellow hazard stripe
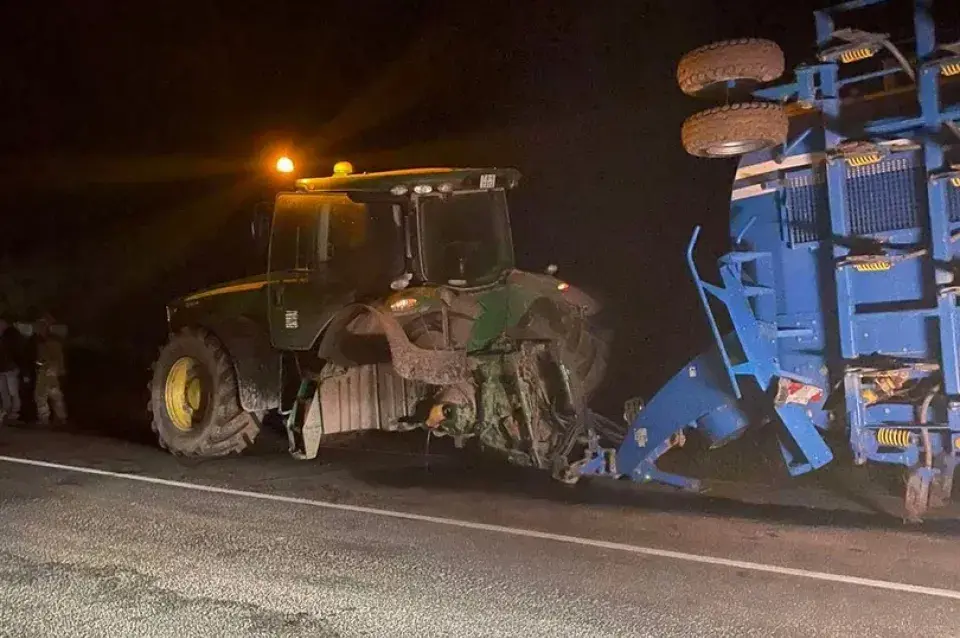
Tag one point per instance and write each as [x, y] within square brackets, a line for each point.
[857, 54]
[864, 159]
[223, 290]
[873, 266]
[950, 69]
[240, 287]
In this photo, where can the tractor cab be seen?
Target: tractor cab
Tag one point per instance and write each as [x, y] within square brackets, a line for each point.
[358, 238]
[387, 230]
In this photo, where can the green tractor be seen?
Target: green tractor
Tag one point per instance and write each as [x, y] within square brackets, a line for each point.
[390, 302]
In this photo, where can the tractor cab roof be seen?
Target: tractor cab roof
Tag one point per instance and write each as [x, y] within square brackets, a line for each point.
[413, 180]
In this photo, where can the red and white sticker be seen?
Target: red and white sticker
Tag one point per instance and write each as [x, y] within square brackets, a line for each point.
[790, 391]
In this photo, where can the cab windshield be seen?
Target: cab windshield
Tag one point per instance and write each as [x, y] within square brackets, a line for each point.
[465, 237]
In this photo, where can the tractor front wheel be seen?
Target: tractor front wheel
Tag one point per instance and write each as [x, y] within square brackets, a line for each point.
[194, 400]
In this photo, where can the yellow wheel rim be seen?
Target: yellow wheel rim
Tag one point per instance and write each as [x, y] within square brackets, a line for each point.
[183, 392]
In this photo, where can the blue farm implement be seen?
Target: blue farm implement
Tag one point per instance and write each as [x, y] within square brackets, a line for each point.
[841, 285]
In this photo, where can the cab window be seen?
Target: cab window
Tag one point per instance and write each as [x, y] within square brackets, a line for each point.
[362, 239]
[296, 238]
[348, 227]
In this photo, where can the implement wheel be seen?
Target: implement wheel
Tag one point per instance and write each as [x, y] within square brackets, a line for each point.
[735, 129]
[744, 63]
[194, 400]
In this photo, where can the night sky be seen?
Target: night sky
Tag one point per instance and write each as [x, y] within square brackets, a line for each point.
[134, 137]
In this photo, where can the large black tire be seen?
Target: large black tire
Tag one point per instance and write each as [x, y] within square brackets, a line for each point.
[583, 349]
[735, 129]
[747, 62]
[217, 426]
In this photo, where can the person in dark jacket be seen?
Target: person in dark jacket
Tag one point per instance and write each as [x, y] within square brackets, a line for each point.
[9, 372]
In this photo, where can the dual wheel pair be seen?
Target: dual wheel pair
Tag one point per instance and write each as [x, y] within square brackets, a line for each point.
[725, 70]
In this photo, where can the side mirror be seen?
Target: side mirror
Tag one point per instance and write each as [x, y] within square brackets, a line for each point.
[260, 225]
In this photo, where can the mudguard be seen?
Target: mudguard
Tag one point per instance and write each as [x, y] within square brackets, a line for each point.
[437, 367]
[255, 361]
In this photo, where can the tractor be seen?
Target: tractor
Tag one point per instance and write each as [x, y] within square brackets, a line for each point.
[390, 301]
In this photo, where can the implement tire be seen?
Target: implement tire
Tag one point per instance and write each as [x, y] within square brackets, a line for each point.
[194, 400]
[735, 129]
[745, 62]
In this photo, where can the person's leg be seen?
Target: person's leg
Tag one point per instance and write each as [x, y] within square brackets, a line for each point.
[13, 384]
[41, 398]
[6, 403]
[56, 399]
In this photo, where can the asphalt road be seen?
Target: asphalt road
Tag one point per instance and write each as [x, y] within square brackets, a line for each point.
[361, 544]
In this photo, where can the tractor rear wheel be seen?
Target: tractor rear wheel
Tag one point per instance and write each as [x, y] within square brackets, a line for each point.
[582, 348]
[194, 400]
[735, 129]
[742, 63]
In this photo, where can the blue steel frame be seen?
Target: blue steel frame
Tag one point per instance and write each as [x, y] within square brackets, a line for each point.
[707, 395]
[926, 130]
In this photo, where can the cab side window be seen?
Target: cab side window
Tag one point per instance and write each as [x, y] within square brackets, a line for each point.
[309, 230]
[298, 241]
[348, 227]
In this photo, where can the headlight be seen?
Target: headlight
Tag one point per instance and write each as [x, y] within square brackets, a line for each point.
[403, 304]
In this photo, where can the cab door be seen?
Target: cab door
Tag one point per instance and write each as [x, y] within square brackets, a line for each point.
[304, 291]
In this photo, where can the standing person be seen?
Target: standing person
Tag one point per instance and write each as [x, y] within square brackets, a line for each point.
[51, 365]
[9, 372]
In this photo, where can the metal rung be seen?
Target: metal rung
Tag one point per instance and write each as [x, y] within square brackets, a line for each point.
[786, 333]
[743, 257]
[745, 368]
[896, 314]
[755, 291]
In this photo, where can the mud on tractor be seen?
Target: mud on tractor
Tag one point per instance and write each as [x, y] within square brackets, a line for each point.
[390, 301]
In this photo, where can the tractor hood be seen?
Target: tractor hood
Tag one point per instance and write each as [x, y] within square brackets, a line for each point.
[506, 308]
[495, 310]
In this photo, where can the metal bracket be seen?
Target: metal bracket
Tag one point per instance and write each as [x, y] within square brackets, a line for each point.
[304, 434]
[855, 45]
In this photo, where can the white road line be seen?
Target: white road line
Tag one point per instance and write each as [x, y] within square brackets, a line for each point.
[514, 531]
